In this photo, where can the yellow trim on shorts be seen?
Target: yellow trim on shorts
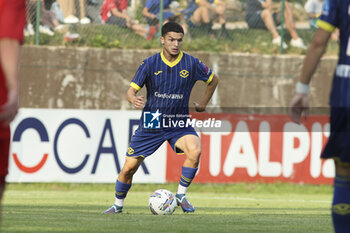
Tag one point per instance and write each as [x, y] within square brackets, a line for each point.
[135, 156]
[336, 159]
[134, 85]
[179, 148]
[325, 25]
[210, 78]
[179, 139]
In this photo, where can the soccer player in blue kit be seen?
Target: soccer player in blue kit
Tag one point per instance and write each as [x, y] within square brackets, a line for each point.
[335, 14]
[169, 77]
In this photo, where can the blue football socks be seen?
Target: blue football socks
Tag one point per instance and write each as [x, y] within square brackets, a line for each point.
[121, 189]
[187, 175]
[341, 205]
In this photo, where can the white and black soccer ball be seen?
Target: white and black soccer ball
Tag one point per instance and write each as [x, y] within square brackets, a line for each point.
[162, 202]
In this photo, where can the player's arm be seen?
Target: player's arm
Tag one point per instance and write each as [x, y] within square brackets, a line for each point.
[119, 14]
[207, 94]
[314, 54]
[146, 13]
[300, 101]
[136, 101]
[267, 4]
[9, 57]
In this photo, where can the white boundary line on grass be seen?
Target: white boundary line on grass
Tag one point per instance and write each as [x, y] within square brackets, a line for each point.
[260, 199]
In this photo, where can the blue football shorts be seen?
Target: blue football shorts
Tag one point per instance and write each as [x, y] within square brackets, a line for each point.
[144, 143]
[338, 145]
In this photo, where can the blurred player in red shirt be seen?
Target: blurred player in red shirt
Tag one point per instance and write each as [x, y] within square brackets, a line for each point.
[12, 20]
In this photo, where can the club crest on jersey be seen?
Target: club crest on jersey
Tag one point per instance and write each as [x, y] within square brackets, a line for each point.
[184, 73]
[130, 151]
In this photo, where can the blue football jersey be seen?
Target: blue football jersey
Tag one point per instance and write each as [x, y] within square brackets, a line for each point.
[153, 5]
[336, 14]
[169, 84]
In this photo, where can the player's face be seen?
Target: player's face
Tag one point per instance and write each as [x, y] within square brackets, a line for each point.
[172, 42]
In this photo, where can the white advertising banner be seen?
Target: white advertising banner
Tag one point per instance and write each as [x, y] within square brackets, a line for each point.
[68, 145]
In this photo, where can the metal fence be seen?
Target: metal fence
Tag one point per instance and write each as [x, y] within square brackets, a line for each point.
[64, 21]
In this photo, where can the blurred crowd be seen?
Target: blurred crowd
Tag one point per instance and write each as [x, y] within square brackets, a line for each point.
[199, 14]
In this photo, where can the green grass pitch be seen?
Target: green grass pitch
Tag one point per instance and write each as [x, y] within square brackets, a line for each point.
[219, 208]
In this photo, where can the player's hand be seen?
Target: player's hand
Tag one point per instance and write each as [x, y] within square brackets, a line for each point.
[138, 102]
[129, 21]
[9, 110]
[299, 106]
[198, 107]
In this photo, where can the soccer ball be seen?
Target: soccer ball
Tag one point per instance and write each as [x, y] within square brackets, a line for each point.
[162, 202]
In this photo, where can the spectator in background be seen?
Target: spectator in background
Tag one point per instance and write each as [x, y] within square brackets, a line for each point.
[55, 7]
[313, 9]
[151, 11]
[72, 11]
[48, 21]
[201, 13]
[263, 14]
[12, 20]
[115, 12]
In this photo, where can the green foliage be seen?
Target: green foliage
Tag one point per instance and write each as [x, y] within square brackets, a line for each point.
[241, 40]
[239, 208]
[101, 41]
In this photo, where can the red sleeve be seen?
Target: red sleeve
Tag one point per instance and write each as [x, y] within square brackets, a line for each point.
[2, 2]
[123, 5]
[12, 19]
[106, 7]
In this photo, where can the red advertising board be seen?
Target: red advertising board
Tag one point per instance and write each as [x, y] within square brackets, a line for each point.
[260, 148]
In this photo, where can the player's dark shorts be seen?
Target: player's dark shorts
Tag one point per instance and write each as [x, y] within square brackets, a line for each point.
[121, 22]
[150, 21]
[338, 145]
[144, 143]
[254, 20]
[4, 155]
[191, 24]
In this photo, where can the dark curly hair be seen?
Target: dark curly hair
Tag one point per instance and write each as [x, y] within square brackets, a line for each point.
[172, 27]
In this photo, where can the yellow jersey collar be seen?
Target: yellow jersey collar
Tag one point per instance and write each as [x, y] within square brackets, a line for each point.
[174, 63]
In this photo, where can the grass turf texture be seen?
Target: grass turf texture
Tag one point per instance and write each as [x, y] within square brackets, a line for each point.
[219, 208]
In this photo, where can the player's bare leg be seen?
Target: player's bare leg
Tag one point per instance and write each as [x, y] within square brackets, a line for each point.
[123, 183]
[290, 25]
[266, 16]
[191, 146]
[296, 41]
[130, 167]
[341, 197]
[201, 15]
